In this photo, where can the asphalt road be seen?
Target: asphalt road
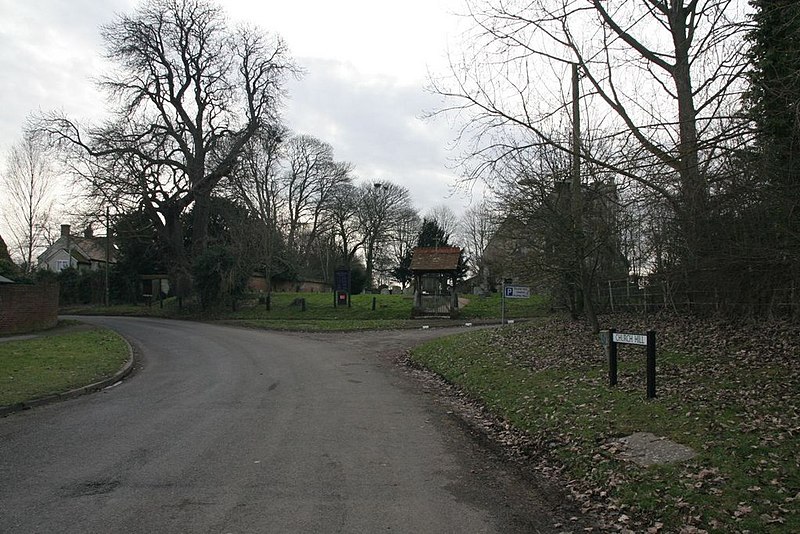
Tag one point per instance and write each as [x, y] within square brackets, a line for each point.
[224, 429]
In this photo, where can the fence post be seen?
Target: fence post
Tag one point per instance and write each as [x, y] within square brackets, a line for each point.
[644, 302]
[610, 296]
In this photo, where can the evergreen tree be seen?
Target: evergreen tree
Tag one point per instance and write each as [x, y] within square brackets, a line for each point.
[432, 235]
[773, 105]
[402, 272]
[7, 267]
[774, 94]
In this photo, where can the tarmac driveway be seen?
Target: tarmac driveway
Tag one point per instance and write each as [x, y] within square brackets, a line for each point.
[225, 429]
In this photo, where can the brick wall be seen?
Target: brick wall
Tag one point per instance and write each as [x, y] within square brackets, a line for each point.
[25, 308]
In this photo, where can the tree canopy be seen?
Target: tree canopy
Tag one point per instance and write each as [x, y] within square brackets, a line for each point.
[189, 92]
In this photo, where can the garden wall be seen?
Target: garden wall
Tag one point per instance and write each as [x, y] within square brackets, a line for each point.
[26, 308]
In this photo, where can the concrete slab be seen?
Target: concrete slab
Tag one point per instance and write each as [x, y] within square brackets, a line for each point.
[647, 449]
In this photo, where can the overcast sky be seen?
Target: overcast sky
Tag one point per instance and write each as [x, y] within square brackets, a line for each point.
[366, 64]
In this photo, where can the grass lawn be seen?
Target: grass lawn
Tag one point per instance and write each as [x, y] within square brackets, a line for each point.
[57, 363]
[320, 308]
[732, 396]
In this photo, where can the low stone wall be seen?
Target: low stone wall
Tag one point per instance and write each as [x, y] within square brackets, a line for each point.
[26, 308]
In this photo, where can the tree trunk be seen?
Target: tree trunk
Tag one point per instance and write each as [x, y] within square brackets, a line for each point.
[201, 214]
[177, 258]
[694, 186]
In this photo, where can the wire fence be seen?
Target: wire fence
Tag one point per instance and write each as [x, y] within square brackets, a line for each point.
[652, 294]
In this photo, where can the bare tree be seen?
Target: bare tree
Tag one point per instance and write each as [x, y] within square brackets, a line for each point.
[478, 225]
[189, 92]
[383, 205]
[310, 180]
[343, 212]
[538, 234]
[28, 186]
[257, 184]
[659, 82]
[404, 240]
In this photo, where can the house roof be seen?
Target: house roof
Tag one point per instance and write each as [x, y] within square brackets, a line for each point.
[94, 248]
[87, 248]
[4, 280]
[435, 259]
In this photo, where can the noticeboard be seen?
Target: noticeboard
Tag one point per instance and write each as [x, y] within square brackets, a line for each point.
[341, 280]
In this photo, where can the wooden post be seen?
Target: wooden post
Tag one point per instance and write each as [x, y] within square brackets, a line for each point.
[612, 357]
[651, 364]
[454, 300]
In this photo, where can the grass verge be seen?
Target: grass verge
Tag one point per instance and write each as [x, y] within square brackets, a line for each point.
[57, 363]
[721, 391]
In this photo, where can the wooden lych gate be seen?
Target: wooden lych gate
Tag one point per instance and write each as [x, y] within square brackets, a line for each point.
[435, 271]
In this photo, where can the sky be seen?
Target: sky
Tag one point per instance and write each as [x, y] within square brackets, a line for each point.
[366, 66]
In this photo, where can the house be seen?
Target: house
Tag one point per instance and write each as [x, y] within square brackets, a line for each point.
[80, 252]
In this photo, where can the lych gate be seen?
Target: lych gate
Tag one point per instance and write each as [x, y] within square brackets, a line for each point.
[435, 271]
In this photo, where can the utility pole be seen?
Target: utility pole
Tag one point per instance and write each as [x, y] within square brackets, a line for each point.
[576, 198]
[108, 251]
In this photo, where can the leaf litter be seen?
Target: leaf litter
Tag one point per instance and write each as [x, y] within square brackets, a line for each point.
[729, 390]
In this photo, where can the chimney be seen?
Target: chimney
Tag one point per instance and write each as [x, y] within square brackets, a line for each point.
[64, 230]
[88, 232]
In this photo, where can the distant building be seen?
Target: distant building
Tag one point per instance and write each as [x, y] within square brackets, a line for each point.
[258, 282]
[534, 246]
[80, 252]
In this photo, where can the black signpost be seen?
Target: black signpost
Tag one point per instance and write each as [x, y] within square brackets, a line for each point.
[611, 338]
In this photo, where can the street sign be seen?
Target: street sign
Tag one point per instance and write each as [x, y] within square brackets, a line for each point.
[630, 339]
[612, 338]
[517, 292]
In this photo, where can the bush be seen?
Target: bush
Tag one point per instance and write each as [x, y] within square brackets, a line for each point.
[80, 287]
[217, 275]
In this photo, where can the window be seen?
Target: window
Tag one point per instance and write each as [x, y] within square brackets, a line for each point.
[61, 265]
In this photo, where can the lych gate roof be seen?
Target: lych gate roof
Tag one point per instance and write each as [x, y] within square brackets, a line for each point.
[435, 259]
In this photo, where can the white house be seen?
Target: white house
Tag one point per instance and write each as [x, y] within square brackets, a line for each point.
[83, 253]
